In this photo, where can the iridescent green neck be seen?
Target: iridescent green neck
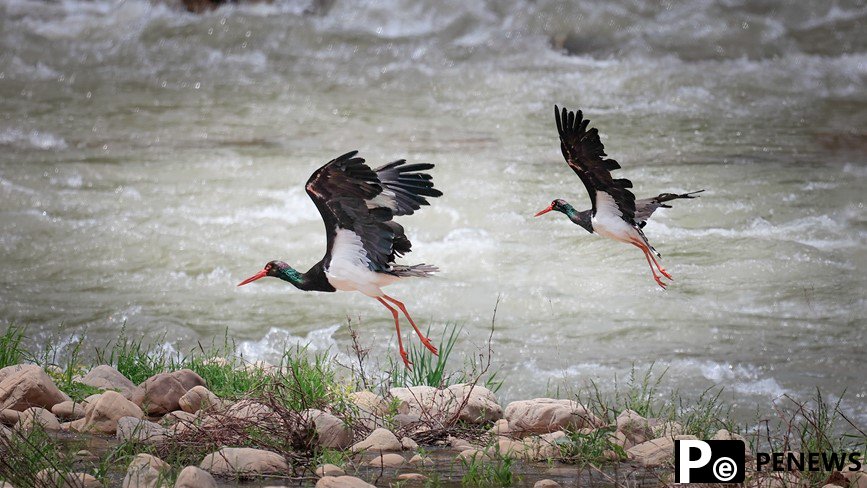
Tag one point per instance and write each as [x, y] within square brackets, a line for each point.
[569, 210]
[291, 275]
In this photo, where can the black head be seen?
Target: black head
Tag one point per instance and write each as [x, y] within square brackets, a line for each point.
[558, 205]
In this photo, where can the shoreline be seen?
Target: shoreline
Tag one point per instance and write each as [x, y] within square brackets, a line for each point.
[140, 415]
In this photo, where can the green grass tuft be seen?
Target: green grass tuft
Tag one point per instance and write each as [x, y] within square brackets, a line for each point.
[11, 351]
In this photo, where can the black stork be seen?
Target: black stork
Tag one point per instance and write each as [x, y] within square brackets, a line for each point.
[357, 205]
[615, 213]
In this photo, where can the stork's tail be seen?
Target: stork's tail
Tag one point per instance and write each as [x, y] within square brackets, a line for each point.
[414, 271]
[667, 197]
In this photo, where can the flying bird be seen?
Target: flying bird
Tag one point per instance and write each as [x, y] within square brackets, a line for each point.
[358, 205]
[615, 213]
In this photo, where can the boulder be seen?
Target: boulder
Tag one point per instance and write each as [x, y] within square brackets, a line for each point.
[26, 385]
[419, 460]
[666, 429]
[251, 411]
[408, 444]
[197, 398]
[410, 477]
[244, 462]
[5, 432]
[477, 404]
[37, 415]
[188, 378]
[193, 477]
[635, 427]
[160, 394]
[331, 432]
[102, 415]
[389, 460]
[146, 471]
[546, 484]
[655, 452]
[342, 482]
[378, 440]
[133, 428]
[106, 377]
[9, 416]
[543, 415]
[329, 470]
[69, 410]
[48, 477]
[501, 427]
[369, 402]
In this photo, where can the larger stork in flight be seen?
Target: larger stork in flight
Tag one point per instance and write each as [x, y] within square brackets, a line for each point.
[357, 205]
[615, 213]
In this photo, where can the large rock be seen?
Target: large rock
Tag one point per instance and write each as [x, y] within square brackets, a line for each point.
[48, 477]
[389, 460]
[342, 482]
[193, 477]
[198, 398]
[26, 385]
[9, 416]
[106, 377]
[37, 415]
[472, 404]
[244, 462]
[146, 471]
[655, 452]
[635, 427]
[370, 402]
[379, 440]
[133, 428]
[329, 470]
[331, 432]
[69, 410]
[160, 394]
[102, 414]
[543, 415]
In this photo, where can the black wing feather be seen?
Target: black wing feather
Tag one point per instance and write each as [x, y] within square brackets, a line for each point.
[585, 154]
[350, 195]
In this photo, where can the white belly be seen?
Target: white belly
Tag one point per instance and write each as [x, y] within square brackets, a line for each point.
[608, 221]
[349, 269]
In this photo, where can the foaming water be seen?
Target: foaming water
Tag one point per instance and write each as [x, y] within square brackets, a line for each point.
[151, 159]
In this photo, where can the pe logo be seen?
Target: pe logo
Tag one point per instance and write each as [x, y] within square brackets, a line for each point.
[708, 461]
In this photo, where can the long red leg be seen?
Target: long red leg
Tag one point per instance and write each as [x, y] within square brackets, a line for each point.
[660, 268]
[403, 354]
[424, 340]
[649, 263]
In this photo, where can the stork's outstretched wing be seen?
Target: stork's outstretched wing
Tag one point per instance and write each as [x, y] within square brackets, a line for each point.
[350, 196]
[645, 207]
[585, 154]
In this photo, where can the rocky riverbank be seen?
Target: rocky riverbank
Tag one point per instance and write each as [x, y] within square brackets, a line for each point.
[137, 417]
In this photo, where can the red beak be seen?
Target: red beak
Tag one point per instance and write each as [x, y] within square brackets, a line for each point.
[260, 274]
[540, 212]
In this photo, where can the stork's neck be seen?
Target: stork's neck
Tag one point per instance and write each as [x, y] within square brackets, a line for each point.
[313, 280]
[291, 275]
[580, 218]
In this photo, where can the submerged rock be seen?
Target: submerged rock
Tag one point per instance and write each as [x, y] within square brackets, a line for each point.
[26, 385]
[342, 482]
[244, 461]
[389, 460]
[145, 471]
[329, 470]
[194, 477]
